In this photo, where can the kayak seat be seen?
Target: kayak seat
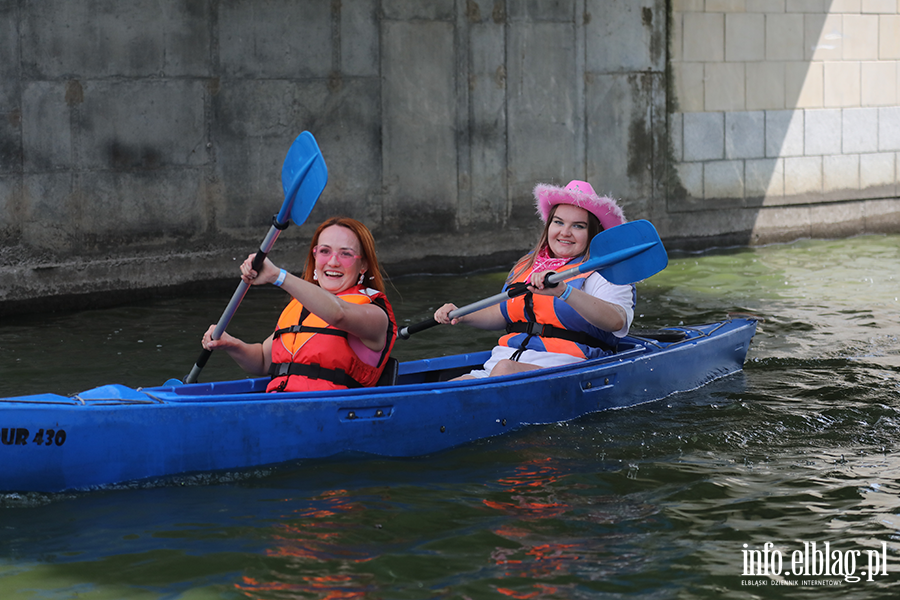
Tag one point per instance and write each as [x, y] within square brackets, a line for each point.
[448, 374]
[660, 335]
[389, 375]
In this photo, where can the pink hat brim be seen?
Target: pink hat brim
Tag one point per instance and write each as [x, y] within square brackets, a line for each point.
[582, 195]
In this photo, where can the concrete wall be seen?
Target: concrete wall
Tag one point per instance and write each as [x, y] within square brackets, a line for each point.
[141, 144]
[789, 108]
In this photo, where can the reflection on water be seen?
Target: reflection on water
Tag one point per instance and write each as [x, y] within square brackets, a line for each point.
[320, 530]
[655, 501]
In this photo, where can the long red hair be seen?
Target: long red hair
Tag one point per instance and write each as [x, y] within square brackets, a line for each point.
[373, 275]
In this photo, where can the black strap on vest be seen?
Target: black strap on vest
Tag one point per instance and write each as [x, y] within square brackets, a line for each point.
[529, 314]
[314, 371]
[552, 331]
[301, 328]
[532, 328]
[304, 329]
[317, 371]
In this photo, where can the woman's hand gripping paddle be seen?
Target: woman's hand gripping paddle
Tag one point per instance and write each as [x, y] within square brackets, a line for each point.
[303, 178]
[623, 254]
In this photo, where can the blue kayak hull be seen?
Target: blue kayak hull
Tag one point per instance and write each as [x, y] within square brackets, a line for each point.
[114, 434]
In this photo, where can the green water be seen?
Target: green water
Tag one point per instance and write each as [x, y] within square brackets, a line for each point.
[656, 501]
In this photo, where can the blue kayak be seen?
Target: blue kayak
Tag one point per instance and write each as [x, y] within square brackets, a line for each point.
[115, 434]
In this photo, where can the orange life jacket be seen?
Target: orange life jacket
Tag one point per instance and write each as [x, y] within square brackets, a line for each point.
[548, 324]
[308, 354]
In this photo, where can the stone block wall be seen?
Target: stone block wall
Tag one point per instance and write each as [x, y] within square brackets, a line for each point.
[141, 143]
[788, 103]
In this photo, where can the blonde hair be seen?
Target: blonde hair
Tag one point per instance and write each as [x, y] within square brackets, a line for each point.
[526, 262]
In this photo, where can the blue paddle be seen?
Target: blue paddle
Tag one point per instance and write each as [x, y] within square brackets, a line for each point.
[303, 178]
[622, 254]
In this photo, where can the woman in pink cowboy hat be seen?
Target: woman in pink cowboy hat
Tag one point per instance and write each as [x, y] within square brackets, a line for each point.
[552, 326]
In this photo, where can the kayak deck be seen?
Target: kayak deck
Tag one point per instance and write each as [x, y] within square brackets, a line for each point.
[114, 433]
[419, 372]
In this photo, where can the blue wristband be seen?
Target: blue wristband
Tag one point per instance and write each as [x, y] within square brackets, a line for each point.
[280, 279]
[565, 295]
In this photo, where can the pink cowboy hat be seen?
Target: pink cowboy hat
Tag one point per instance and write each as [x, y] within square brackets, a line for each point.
[582, 195]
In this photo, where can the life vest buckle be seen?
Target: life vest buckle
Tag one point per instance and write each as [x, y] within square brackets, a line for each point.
[532, 328]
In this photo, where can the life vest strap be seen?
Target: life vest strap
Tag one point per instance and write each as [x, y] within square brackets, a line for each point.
[552, 331]
[305, 329]
[314, 371]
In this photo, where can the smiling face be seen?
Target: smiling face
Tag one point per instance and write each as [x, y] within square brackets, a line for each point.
[334, 273]
[567, 233]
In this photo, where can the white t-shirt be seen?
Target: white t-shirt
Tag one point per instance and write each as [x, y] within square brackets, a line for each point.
[623, 295]
[596, 286]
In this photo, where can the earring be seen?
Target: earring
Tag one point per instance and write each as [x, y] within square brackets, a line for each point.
[362, 277]
[315, 275]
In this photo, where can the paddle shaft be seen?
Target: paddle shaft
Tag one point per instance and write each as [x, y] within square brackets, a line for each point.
[280, 222]
[236, 300]
[551, 280]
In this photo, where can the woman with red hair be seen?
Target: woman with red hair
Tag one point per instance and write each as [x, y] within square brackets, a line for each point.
[338, 329]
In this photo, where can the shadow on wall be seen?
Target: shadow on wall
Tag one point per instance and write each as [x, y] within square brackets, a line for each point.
[792, 110]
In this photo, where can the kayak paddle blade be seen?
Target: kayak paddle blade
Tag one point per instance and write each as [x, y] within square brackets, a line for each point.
[303, 178]
[627, 253]
[622, 254]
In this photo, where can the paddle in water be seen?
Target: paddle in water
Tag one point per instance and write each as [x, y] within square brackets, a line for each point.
[303, 178]
[622, 254]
